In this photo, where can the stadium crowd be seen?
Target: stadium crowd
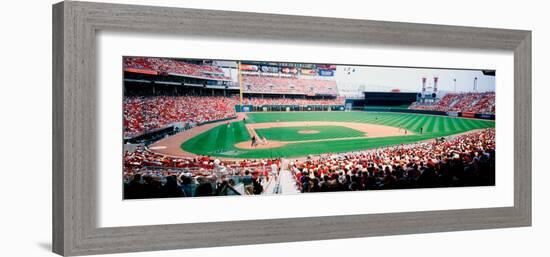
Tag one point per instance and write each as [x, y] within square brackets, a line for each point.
[164, 65]
[463, 160]
[143, 114]
[266, 84]
[152, 175]
[461, 102]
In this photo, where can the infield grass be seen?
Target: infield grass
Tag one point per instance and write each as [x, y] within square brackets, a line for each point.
[293, 133]
[220, 140]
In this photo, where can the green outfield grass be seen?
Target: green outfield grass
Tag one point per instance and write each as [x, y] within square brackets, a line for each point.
[292, 133]
[220, 140]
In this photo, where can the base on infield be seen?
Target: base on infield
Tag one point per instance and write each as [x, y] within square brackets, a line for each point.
[307, 132]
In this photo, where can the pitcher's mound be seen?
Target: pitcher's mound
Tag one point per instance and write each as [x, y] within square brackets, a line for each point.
[269, 144]
[308, 131]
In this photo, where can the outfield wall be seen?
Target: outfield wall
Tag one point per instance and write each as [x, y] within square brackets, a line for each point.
[291, 108]
[428, 112]
[288, 108]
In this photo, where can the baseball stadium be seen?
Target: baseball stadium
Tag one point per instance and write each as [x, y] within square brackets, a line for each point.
[216, 127]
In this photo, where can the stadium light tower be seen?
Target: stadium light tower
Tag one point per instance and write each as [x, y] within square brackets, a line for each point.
[423, 85]
[240, 85]
[455, 83]
[423, 94]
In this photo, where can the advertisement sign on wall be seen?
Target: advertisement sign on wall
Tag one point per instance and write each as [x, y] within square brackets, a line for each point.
[326, 73]
[307, 72]
[468, 114]
[249, 67]
[452, 114]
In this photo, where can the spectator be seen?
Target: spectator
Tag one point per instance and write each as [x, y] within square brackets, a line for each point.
[463, 160]
[248, 182]
[461, 102]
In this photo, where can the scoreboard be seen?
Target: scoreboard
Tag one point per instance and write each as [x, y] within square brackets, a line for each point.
[389, 98]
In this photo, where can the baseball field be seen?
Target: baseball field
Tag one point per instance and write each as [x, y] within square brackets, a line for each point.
[297, 134]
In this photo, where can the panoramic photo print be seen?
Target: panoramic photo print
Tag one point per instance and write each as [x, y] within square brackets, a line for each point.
[197, 127]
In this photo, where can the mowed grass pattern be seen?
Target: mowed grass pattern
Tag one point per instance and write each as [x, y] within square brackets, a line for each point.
[293, 133]
[220, 140]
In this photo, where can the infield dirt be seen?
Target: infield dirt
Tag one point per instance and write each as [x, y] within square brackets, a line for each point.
[370, 130]
[171, 146]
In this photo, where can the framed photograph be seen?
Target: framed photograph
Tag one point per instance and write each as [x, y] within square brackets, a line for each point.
[184, 128]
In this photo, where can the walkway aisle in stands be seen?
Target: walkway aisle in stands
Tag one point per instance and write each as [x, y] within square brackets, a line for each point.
[287, 185]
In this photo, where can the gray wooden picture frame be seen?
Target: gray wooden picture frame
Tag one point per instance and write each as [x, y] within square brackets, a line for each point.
[75, 25]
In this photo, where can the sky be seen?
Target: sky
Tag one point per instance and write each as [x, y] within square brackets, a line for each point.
[410, 79]
[354, 79]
